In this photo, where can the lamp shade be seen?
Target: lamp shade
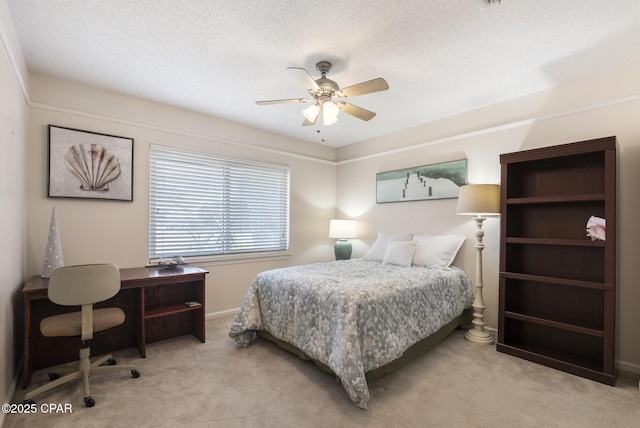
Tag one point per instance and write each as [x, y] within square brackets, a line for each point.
[342, 229]
[329, 113]
[311, 112]
[477, 199]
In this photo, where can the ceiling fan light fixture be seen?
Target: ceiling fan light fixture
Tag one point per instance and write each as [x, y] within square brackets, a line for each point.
[324, 90]
[326, 121]
[311, 113]
[329, 113]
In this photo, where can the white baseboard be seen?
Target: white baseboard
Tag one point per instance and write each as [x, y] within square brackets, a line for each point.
[628, 367]
[221, 314]
[12, 390]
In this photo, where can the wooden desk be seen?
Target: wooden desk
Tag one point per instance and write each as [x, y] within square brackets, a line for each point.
[153, 300]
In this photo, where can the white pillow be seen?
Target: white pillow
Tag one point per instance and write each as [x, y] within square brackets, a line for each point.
[379, 248]
[399, 253]
[437, 251]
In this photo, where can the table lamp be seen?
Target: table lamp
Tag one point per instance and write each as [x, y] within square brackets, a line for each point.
[479, 200]
[342, 230]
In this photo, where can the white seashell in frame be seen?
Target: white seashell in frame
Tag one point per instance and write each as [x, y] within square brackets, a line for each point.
[93, 165]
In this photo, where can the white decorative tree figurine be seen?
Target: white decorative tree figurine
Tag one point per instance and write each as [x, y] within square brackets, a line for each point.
[53, 254]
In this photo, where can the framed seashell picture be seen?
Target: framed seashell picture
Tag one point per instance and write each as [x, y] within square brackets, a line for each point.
[89, 165]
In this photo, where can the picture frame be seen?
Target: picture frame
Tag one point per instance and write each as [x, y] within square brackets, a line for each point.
[436, 181]
[89, 165]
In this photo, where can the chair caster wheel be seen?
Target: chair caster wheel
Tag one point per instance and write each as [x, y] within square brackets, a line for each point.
[135, 374]
[111, 362]
[53, 376]
[89, 402]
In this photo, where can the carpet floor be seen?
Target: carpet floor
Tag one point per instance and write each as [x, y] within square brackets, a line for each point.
[185, 383]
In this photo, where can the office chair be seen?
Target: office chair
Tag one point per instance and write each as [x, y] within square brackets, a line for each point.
[83, 286]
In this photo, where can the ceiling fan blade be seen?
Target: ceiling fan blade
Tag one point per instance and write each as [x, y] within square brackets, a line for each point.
[375, 85]
[356, 111]
[289, 100]
[308, 81]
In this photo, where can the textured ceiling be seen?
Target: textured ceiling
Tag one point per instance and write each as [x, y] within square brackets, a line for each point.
[218, 57]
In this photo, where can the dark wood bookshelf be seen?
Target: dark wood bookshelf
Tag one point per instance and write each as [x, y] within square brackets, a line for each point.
[557, 286]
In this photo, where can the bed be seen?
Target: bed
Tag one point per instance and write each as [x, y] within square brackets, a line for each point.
[357, 318]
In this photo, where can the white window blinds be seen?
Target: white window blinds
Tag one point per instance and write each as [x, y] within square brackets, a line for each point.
[200, 205]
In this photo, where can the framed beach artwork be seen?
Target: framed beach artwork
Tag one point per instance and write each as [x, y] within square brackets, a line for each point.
[438, 181]
[89, 165]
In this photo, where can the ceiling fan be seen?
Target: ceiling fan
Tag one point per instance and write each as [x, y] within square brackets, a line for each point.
[324, 91]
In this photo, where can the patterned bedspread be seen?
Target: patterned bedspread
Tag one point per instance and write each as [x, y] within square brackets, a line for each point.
[352, 315]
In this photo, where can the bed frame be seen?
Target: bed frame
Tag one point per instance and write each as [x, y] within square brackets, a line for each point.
[415, 351]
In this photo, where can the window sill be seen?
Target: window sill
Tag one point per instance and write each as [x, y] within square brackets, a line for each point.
[230, 259]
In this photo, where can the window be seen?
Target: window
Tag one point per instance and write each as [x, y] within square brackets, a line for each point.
[201, 205]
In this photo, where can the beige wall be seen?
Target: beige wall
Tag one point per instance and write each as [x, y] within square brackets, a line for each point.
[13, 124]
[597, 107]
[93, 231]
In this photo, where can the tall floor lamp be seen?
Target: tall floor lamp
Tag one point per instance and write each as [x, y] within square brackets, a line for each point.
[342, 230]
[479, 200]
